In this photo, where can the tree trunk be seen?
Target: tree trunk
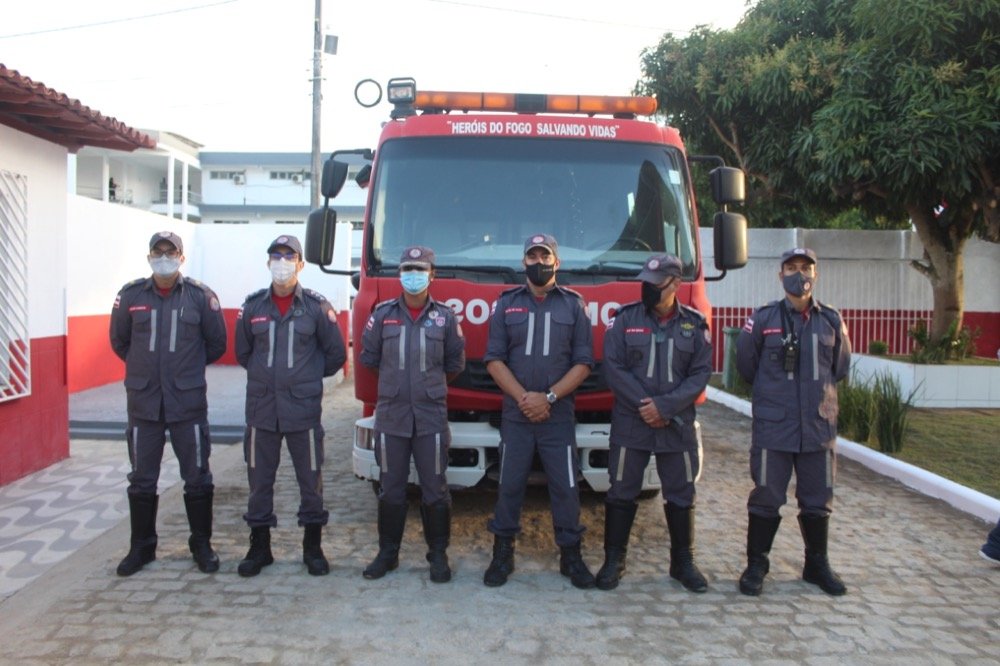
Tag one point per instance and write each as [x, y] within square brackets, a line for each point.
[943, 265]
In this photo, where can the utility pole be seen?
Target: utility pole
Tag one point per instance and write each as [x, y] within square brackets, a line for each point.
[317, 95]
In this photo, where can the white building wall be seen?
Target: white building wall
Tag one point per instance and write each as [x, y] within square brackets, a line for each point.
[44, 165]
[857, 269]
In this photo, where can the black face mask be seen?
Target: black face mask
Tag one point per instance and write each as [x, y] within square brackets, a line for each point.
[540, 274]
[798, 284]
[651, 295]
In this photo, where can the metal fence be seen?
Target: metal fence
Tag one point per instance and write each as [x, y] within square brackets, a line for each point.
[15, 345]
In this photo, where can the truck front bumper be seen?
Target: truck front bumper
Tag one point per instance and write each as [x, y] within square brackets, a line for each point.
[473, 455]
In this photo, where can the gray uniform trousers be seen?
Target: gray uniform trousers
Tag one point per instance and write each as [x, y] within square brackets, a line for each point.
[192, 446]
[678, 472]
[430, 457]
[262, 452]
[555, 444]
[771, 470]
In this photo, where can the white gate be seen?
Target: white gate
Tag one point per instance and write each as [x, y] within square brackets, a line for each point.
[15, 345]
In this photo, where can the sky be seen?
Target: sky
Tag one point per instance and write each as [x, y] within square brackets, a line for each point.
[235, 75]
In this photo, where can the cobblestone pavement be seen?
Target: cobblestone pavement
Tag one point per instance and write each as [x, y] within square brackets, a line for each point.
[918, 593]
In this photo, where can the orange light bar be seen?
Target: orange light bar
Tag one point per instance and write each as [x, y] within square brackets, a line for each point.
[527, 103]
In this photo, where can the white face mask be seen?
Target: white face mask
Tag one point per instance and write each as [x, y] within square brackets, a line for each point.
[164, 266]
[282, 270]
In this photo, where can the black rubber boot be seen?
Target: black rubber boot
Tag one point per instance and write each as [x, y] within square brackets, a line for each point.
[502, 564]
[760, 536]
[437, 532]
[572, 566]
[142, 545]
[199, 513]
[618, 519]
[259, 555]
[391, 522]
[817, 567]
[680, 524]
[312, 551]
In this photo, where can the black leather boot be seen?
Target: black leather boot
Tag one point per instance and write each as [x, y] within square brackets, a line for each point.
[199, 514]
[142, 545]
[437, 532]
[312, 551]
[817, 567]
[572, 566]
[502, 564]
[259, 555]
[760, 536]
[391, 522]
[618, 519]
[680, 524]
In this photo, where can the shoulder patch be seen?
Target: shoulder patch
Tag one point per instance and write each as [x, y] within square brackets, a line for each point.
[569, 291]
[385, 303]
[697, 314]
[513, 290]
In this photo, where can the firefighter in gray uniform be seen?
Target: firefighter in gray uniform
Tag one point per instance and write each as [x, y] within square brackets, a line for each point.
[288, 340]
[657, 359]
[540, 349]
[793, 352]
[415, 345]
[167, 328]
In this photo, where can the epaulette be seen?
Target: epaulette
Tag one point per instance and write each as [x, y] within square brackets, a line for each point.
[628, 306]
[198, 283]
[697, 314]
[315, 295]
[256, 294]
[571, 292]
[513, 290]
[770, 304]
[383, 304]
[129, 285]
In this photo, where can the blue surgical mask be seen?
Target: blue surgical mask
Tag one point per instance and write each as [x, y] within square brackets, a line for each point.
[415, 282]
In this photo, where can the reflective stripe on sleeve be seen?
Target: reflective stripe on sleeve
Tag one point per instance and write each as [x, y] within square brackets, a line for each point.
[815, 357]
[423, 350]
[652, 356]
[402, 347]
[670, 360]
[291, 344]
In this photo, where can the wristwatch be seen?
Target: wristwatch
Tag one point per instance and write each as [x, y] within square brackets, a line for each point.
[551, 397]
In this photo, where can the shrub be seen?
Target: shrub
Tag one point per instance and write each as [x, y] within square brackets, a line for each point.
[955, 344]
[891, 411]
[878, 347]
[857, 405]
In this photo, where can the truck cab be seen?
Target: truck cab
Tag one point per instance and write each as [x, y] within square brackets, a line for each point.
[471, 175]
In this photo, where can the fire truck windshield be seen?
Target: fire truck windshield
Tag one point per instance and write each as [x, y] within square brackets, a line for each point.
[474, 200]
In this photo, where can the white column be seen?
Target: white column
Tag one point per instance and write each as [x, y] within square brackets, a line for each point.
[105, 175]
[170, 186]
[184, 191]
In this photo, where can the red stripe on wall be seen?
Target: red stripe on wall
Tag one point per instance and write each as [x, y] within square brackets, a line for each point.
[34, 430]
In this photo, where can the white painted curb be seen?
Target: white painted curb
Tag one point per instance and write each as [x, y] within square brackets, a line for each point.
[964, 499]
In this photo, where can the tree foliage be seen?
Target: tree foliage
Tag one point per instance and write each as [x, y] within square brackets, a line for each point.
[890, 106]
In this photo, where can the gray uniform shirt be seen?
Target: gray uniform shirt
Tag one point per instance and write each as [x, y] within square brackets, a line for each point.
[412, 358]
[540, 342]
[669, 362]
[166, 342]
[794, 411]
[286, 357]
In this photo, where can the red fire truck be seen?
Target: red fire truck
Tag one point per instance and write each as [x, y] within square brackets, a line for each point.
[472, 175]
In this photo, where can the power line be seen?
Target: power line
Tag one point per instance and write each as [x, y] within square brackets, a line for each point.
[118, 20]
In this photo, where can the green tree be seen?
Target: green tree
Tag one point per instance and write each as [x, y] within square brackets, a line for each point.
[827, 105]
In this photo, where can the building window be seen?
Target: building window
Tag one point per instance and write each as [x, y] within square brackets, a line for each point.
[15, 345]
[294, 176]
[289, 221]
[230, 221]
[238, 176]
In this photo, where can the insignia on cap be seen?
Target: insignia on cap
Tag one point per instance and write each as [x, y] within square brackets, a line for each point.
[653, 264]
[799, 250]
[414, 253]
[283, 239]
[538, 239]
[165, 234]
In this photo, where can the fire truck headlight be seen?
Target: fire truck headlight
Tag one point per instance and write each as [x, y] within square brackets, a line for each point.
[401, 91]
[364, 438]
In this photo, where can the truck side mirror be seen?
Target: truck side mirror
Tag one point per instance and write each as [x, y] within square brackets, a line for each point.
[334, 177]
[321, 227]
[728, 185]
[729, 232]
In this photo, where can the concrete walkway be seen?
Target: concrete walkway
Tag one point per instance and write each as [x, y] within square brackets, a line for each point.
[918, 593]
